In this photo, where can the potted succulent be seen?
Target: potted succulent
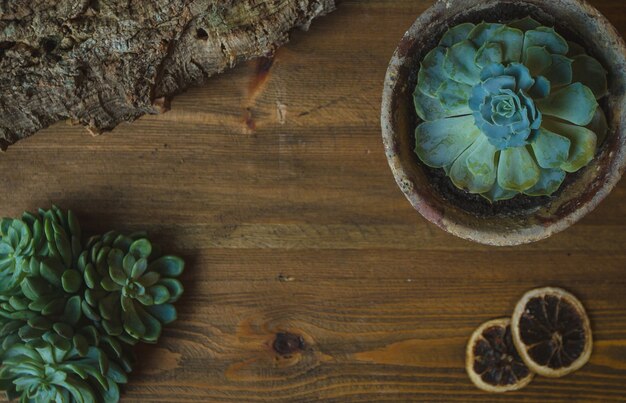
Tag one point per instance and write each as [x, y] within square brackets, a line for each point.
[504, 120]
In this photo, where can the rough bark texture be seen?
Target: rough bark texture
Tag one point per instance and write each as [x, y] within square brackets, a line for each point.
[101, 62]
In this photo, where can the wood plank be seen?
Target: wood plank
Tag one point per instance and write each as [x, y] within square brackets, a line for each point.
[276, 190]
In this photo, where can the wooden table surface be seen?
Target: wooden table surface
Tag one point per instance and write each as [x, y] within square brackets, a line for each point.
[309, 275]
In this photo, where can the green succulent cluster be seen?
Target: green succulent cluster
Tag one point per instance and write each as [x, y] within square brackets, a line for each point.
[70, 312]
[130, 288]
[508, 109]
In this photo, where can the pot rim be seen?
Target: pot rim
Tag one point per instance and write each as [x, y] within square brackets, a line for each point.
[420, 197]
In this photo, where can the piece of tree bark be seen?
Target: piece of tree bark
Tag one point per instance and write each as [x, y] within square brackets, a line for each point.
[101, 62]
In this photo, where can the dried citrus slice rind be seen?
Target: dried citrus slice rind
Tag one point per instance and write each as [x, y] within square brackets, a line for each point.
[551, 332]
[491, 360]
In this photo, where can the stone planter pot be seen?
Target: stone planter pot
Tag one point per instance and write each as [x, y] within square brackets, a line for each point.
[520, 221]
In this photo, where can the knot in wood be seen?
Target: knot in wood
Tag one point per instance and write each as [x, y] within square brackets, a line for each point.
[288, 343]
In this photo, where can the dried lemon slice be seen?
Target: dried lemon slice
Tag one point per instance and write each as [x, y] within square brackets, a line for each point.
[551, 331]
[491, 360]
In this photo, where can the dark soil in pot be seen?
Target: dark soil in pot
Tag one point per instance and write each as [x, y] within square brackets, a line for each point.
[475, 204]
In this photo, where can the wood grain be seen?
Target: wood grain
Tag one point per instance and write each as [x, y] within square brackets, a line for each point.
[309, 275]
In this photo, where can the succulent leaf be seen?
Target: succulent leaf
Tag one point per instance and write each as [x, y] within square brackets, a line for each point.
[171, 266]
[550, 181]
[483, 32]
[551, 150]
[482, 161]
[149, 279]
[454, 97]
[538, 59]
[456, 34]
[71, 281]
[546, 37]
[540, 89]
[460, 63]
[152, 325]
[428, 108]
[432, 74]
[72, 311]
[523, 79]
[574, 103]
[599, 126]
[141, 248]
[583, 143]
[464, 178]
[489, 53]
[517, 169]
[165, 313]
[525, 24]
[174, 287]
[139, 268]
[511, 40]
[440, 143]
[589, 72]
[160, 294]
[560, 71]
[132, 322]
[575, 49]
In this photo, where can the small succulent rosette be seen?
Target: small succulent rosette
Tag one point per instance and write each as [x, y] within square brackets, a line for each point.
[52, 237]
[130, 287]
[51, 369]
[38, 281]
[508, 109]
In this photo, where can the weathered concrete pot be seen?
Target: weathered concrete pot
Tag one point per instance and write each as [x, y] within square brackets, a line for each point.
[576, 20]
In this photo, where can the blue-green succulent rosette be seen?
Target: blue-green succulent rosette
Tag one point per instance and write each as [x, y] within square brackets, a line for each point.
[508, 109]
